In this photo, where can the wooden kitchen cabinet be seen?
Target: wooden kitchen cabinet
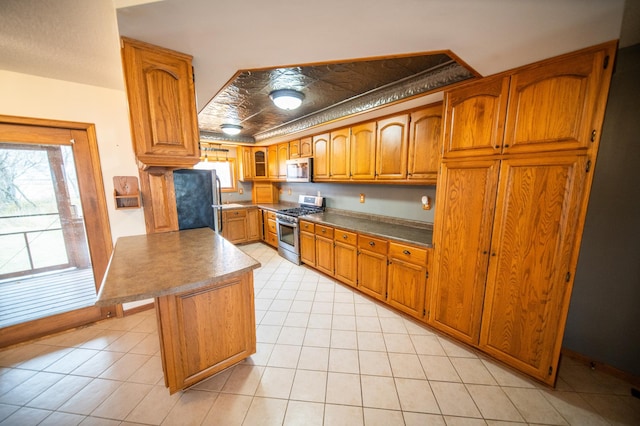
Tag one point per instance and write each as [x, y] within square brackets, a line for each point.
[206, 330]
[271, 230]
[324, 249]
[392, 147]
[407, 278]
[259, 162]
[474, 118]
[162, 108]
[307, 243]
[363, 151]
[241, 225]
[234, 225]
[283, 156]
[253, 225]
[340, 154]
[372, 266]
[346, 256]
[294, 149]
[265, 193]
[273, 167]
[424, 144]
[552, 105]
[321, 157]
[528, 285]
[159, 200]
[245, 169]
[466, 201]
[306, 147]
[508, 224]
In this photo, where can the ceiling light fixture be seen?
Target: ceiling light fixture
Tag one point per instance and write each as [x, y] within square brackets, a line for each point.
[286, 98]
[231, 129]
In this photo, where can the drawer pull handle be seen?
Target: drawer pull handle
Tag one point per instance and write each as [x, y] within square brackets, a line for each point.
[324, 230]
[372, 243]
[345, 236]
[407, 252]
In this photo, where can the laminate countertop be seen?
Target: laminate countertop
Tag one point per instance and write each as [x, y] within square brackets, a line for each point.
[153, 265]
[421, 236]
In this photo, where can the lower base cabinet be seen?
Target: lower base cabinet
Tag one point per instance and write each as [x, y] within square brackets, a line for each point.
[346, 257]
[407, 279]
[206, 330]
[270, 229]
[372, 266]
[307, 243]
[241, 225]
[324, 249]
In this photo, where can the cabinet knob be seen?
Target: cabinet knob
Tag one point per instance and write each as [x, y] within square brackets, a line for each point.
[345, 236]
[407, 252]
[485, 252]
[372, 243]
[324, 230]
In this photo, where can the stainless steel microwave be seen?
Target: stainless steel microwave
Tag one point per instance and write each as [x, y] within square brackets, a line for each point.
[300, 170]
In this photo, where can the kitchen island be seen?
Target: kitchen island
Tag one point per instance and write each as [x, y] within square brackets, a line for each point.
[203, 290]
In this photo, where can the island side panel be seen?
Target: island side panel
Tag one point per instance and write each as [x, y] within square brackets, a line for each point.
[207, 330]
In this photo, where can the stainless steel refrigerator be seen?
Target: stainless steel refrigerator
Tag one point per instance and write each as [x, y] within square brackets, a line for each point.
[198, 198]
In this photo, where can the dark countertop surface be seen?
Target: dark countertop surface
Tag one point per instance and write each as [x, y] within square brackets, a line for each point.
[420, 236]
[153, 265]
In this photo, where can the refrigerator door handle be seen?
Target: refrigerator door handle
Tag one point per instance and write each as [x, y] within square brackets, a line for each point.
[219, 201]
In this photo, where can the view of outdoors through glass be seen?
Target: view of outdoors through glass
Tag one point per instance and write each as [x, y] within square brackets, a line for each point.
[42, 232]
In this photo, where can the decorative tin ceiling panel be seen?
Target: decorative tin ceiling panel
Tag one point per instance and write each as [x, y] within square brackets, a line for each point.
[331, 91]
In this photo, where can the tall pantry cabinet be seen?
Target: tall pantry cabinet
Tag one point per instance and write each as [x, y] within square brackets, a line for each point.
[519, 149]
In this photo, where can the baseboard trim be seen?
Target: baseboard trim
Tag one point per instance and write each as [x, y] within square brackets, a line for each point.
[628, 377]
[138, 309]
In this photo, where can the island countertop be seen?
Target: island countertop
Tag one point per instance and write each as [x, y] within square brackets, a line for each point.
[153, 265]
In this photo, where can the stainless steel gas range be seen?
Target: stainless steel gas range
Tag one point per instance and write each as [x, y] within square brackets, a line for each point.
[287, 226]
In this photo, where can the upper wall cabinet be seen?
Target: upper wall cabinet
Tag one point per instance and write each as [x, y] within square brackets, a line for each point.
[425, 136]
[545, 107]
[474, 118]
[162, 107]
[392, 147]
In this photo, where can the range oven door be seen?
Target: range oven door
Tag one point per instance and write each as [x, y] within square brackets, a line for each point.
[288, 240]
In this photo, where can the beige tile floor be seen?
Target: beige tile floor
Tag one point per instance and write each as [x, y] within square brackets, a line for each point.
[326, 356]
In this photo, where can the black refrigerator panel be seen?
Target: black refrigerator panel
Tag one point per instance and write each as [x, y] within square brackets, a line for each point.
[195, 194]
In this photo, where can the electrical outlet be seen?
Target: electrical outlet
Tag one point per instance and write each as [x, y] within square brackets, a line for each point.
[240, 190]
[289, 191]
[362, 198]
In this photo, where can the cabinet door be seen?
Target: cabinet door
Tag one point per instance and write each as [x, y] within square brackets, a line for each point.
[321, 157]
[406, 286]
[464, 215]
[425, 144]
[340, 154]
[306, 147]
[162, 105]
[294, 149]
[253, 225]
[363, 151]
[283, 156]
[532, 246]
[392, 147]
[259, 163]
[372, 274]
[474, 118]
[346, 257]
[159, 200]
[308, 248]
[551, 107]
[272, 162]
[234, 226]
[245, 155]
[324, 254]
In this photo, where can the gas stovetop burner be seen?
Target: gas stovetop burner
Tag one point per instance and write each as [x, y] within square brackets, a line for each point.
[300, 211]
[308, 205]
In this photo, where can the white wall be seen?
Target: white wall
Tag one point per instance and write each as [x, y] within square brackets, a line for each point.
[31, 96]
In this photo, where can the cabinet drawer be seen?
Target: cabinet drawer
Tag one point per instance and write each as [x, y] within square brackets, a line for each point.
[271, 215]
[307, 226]
[272, 239]
[409, 253]
[376, 245]
[325, 231]
[232, 214]
[271, 226]
[346, 236]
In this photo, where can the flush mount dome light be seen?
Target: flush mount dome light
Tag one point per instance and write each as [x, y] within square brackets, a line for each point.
[231, 129]
[286, 98]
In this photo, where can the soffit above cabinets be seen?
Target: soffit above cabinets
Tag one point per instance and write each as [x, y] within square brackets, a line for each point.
[331, 91]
